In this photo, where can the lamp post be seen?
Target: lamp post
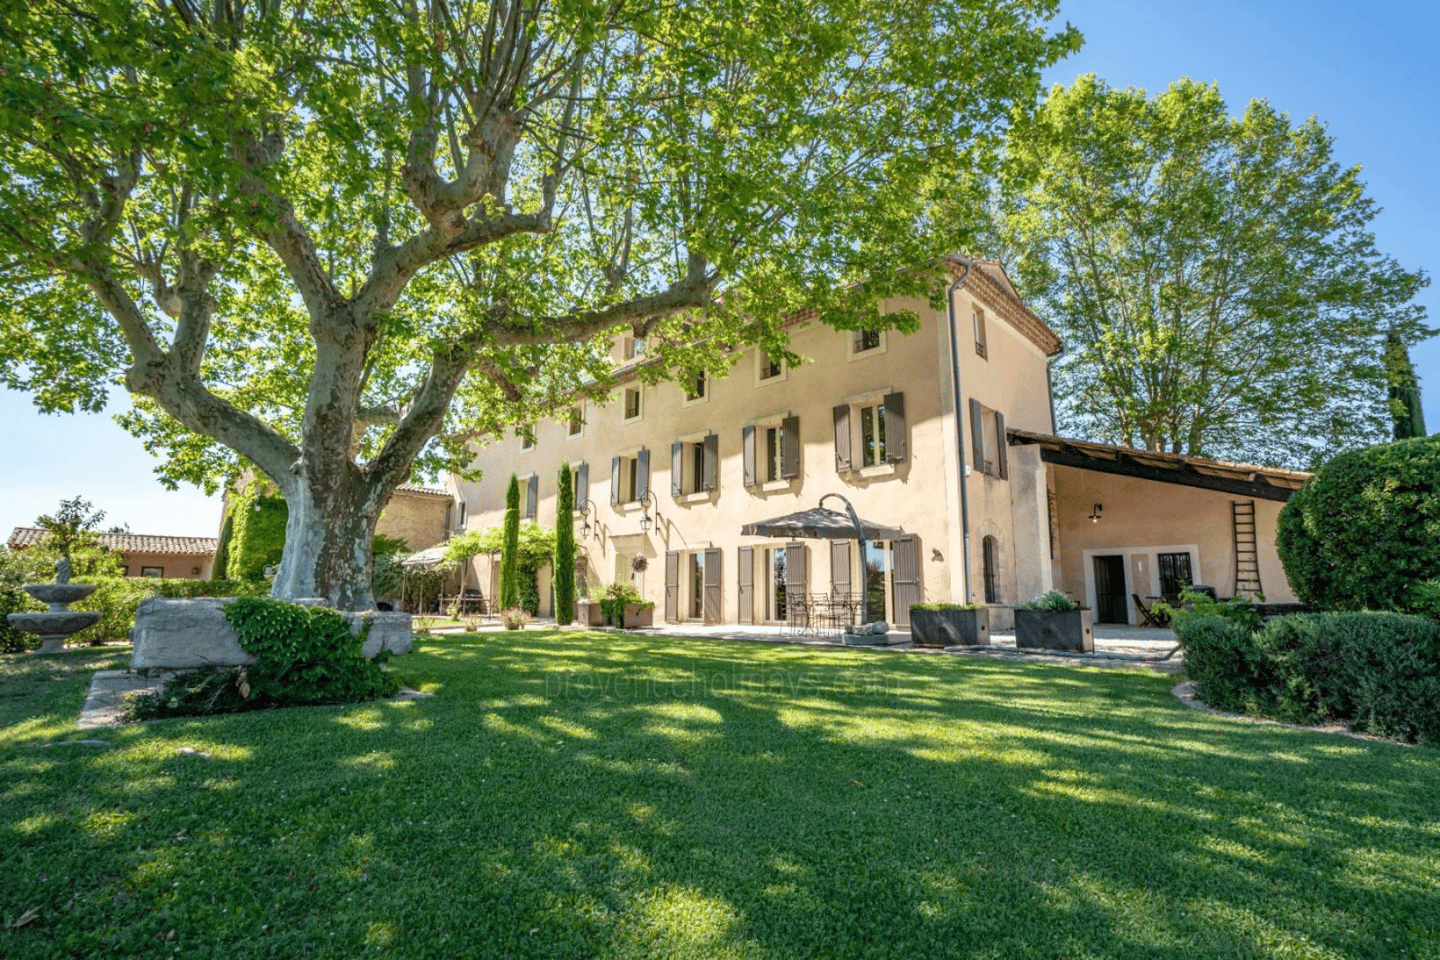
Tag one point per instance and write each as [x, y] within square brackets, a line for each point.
[585, 527]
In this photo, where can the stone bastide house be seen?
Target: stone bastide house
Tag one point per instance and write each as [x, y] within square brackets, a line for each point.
[946, 434]
[143, 555]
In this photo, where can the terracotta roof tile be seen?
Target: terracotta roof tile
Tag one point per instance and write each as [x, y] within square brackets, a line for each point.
[22, 537]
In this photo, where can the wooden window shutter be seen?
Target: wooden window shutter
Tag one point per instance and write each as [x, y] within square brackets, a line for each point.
[712, 584]
[614, 481]
[672, 586]
[1001, 443]
[839, 566]
[842, 437]
[747, 454]
[796, 576]
[642, 473]
[790, 448]
[897, 443]
[977, 434]
[532, 497]
[745, 595]
[711, 478]
[907, 577]
[582, 484]
[677, 456]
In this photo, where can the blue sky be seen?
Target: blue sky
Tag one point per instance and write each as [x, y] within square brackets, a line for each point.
[1370, 73]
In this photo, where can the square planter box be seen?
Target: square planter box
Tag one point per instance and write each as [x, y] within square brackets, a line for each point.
[1043, 630]
[589, 614]
[949, 628]
[639, 615]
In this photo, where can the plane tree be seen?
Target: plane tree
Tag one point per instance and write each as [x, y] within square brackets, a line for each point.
[341, 241]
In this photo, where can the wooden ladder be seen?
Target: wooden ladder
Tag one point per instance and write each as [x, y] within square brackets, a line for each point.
[1247, 555]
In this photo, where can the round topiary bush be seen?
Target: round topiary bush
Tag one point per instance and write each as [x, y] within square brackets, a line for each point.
[1364, 532]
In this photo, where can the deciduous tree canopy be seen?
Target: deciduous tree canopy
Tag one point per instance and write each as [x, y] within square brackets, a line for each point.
[1213, 276]
[335, 238]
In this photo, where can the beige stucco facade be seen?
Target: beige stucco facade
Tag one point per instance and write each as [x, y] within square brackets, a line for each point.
[1142, 519]
[181, 566]
[1027, 529]
[417, 515]
[918, 494]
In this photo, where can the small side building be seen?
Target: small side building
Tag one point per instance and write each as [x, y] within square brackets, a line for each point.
[143, 555]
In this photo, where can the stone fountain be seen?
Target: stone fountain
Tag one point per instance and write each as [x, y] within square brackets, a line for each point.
[60, 621]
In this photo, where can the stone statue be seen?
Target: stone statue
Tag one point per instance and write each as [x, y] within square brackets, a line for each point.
[62, 570]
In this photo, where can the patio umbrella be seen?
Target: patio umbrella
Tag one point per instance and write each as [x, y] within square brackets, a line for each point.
[822, 523]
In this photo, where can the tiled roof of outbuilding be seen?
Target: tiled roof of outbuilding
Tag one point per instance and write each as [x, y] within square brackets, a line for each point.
[22, 537]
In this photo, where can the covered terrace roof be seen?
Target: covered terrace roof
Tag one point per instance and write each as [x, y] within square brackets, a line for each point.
[1240, 479]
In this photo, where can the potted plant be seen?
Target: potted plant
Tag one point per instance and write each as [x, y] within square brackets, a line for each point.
[623, 607]
[1054, 622]
[515, 618]
[949, 624]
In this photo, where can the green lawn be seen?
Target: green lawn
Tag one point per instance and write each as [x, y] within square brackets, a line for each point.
[581, 795]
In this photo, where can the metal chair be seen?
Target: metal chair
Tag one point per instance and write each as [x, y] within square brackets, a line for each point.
[1148, 617]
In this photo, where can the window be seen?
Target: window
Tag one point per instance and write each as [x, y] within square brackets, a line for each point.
[461, 525]
[991, 570]
[633, 348]
[629, 477]
[697, 585]
[526, 432]
[1174, 573]
[768, 370]
[632, 404]
[872, 435]
[695, 388]
[770, 451]
[866, 343]
[777, 608]
[881, 430]
[575, 423]
[532, 496]
[879, 577]
[987, 440]
[694, 465]
[979, 322]
[156, 571]
[774, 452]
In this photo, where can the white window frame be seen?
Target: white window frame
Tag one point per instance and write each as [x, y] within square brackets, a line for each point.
[570, 416]
[858, 402]
[528, 439]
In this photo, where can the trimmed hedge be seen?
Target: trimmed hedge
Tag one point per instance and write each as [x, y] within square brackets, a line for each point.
[1378, 672]
[1365, 530]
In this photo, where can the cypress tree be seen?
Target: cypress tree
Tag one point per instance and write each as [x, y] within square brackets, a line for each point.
[1405, 411]
[564, 565]
[510, 548]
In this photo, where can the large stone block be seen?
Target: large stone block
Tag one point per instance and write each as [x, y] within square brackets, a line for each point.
[188, 634]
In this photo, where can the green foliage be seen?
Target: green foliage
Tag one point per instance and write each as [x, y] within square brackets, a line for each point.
[259, 531]
[1194, 603]
[1365, 529]
[1407, 415]
[1214, 278]
[1378, 672]
[1053, 602]
[563, 568]
[72, 533]
[617, 597]
[515, 618]
[510, 547]
[117, 597]
[303, 655]
[383, 543]
[358, 225]
[17, 568]
[1228, 668]
[221, 564]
